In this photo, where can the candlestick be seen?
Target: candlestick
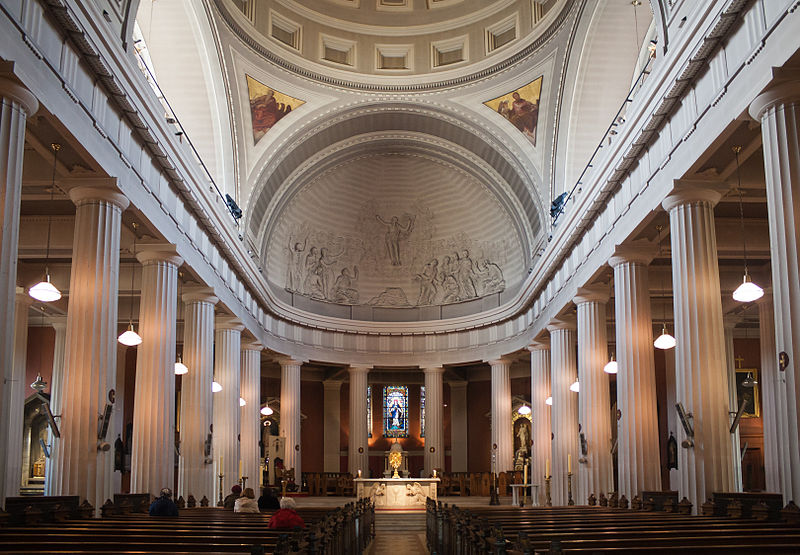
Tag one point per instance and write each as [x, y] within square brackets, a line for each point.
[547, 500]
[359, 473]
[570, 501]
[434, 473]
[221, 475]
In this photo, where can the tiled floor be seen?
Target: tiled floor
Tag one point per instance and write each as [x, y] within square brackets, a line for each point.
[405, 543]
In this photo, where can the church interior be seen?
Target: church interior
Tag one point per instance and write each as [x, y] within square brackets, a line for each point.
[536, 259]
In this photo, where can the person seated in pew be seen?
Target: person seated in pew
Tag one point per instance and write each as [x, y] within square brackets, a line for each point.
[230, 499]
[164, 505]
[246, 503]
[286, 518]
[268, 501]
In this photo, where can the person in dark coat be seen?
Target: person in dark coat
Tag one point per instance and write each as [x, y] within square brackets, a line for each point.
[286, 518]
[164, 505]
[230, 499]
[268, 501]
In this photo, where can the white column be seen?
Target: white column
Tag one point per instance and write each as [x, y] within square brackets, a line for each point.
[153, 448]
[290, 414]
[357, 446]
[195, 471]
[778, 110]
[773, 406]
[13, 451]
[733, 403]
[90, 359]
[434, 425]
[458, 426]
[227, 414]
[564, 411]
[17, 104]
[502, 433]
[332, 406]
[638, 455]
[59, 324]
[700, 375]
[251, 412]
[540, 413]
[594, 400]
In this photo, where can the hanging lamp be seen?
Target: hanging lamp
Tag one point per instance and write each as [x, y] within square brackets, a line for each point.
[266, 411]
[575, 386]
[45, 291]
[524, 410]
[129, 337]
[215, 387]
[611, 366]
[747, 291]
[665, 340]
[549, 401]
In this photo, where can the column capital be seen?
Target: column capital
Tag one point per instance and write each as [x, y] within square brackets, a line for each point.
[597, 293]
[58, 322]
[16, 91]
[568, 322]
[729, 321]
[252, 346]
[433, 370]
[458, 383]
[199, 295]
[153, 253]
[334, 385]
[285, 361]
[358, 369]
[686, 191]
[539, 345]
[783, 92]
[228, 323]
[638, 252]
[103, 189]
[22, 296]
[500, 362]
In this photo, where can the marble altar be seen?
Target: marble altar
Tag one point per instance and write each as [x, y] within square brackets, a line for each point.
[397, 493]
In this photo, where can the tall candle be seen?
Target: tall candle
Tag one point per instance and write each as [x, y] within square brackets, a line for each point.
[547, 468]
[569, 463]
[240, 469]
[220, 464]
[525, 474]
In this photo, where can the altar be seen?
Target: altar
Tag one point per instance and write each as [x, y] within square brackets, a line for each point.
[397, 493]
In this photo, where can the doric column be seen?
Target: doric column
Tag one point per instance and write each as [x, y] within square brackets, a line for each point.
[458, 426]
[434, 425]
[59, 324]
[594, 401]
[251, 411]
[701, 378]
[637, 423]
[195, 471]
[778, 110]
[733, 403]
[773, 406]
[17, 104]
[153, 449]
[227, 414]
[90, 359]
[357, 447]
[564, 411]
[502, 434]
[290, 413]
[13, 422]
[332, 405]
[540, 413]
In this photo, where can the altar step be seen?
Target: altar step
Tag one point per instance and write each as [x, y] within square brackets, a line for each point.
[399, 522]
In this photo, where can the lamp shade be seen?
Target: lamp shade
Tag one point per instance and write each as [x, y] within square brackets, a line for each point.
[747, 291]
[242, 402]
[46, 292]
[611, 366]
[215, 387]
[549, 401]
[130, 337]
[180, 367]
[664, 341]
[266, 411]
[575, 386]
[524, 409]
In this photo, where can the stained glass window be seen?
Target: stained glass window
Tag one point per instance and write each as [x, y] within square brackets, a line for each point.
[422, 411]
[395, 411]
[369, 411]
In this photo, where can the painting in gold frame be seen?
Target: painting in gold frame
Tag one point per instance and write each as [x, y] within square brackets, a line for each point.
[750, 395]
[521, 108]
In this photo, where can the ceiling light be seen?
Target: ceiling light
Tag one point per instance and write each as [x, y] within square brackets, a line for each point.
[215, 387]
[749, 381]
[549, 401]
[180, 367]
[242, 402]
[524, 409]
[130, 337]
[575, 386]
[665, 340]
[747, 291]
[611, 366]
[266, 411]
[39, 384]
[45, 291]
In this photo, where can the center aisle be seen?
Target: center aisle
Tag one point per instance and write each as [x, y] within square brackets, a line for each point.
[401, 533]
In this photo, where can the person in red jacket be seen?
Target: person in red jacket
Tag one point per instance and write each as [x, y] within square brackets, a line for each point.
[286, 518]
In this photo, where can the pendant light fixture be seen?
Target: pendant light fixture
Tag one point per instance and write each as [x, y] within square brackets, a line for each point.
[242, 402]
[575, 386]
[549, 401]
[215, 387]
[45, 291]
[266, 411]
[665, 340]
[129, 337]
[611, 366]
[180, 367]
[524, 410]
[747, 291]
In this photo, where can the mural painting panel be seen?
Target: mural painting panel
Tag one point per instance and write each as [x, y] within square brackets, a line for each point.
[521, 108]
[267, 106]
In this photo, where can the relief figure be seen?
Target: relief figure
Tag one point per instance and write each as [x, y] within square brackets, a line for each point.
[427, 283]
[395, 232]
[294, 273]
[344, 289]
